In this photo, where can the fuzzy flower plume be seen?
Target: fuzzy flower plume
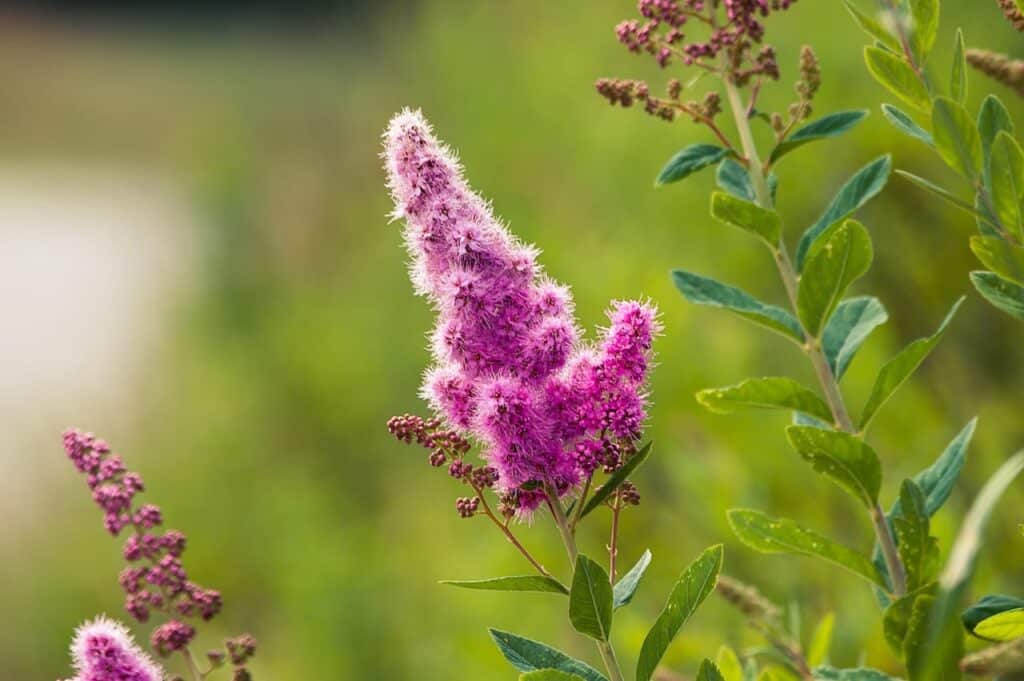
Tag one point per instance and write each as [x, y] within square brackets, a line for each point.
[510, 369]
[103, 650]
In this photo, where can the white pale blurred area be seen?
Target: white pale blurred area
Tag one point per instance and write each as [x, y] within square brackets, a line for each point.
[93, 260]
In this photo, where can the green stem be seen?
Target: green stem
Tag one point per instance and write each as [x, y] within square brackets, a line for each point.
[812, 345]
[190, 662]
[562, 522]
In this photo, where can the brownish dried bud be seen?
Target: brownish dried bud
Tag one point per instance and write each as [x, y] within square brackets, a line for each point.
[999, 67]
[1003, 660]
[1013, 13]
[747, 599]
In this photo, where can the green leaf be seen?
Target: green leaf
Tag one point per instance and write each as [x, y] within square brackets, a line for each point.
[843, 458]
[1005, 260]
[624, 589]
[695, 584]
[764, 393]
[549, 675]
[987, 607]
[734, 178]
[873, 28]
[957, 137]
[1006, 626]
[849, 327]
[925, 14]
[918, 550]
[897, 76]
[708, 672]
[899, 368]
[516, 583]
[705, 291]
[590, 600]
[958, 77]
[781, 535]
[616, 479]
[915, 643]
[1006, 179]
[691, 159]
[943, 194]
[1005, 295]
[828, 126]
[761, 222]
[527, 656]
[821, 640]
[827, 673]
[728, 664]
[837, 259]
[905, 124]
[896, 618]
[993, 118]
[857, 191]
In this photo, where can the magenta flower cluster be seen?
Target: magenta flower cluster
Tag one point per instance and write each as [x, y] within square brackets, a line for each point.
[103, 650]
[510, 367]
[155, 578]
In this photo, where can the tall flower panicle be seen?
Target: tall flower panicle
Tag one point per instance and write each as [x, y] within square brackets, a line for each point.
[510, 369]
[1013, 13]
[103, 650]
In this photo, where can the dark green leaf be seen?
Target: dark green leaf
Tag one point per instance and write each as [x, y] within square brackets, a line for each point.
[896, 75]
[705, 291]
[827, 673]
[590, 600]
[840, 256]
[849, 327]
[899, 368]
[957, 137]
[1005, 295]
[843, 458]
[708, 672]
[1005, 260]
[905, 124]
[1006, 181]
[828, 126]
[857, 191]
[918, 550]
[992, 119]
[897, 616]
[761, 222]
[527, 656]
[781, 535]
[958, 78]
[616, 479]
[915, 643]
[733, 178]
[690, 160]
[548, 675]
[987, 607]
[764, 393]
[516, 583]
[695, 584]
[873, 28]
[626, 587]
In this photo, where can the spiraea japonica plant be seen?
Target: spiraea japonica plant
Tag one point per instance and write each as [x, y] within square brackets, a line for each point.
[155, 583]
[557, 420]
[904, 567]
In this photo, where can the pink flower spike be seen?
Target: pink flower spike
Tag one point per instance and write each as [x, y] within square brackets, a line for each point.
[104, 650]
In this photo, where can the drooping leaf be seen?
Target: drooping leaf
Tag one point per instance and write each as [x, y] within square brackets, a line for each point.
[905, 124]
[728, 664]
[616, 479]
[705, 291]
[781, 535]
[624, 589]
[827, 673]
[515, 583]
[839, 257]
[821, 641]
[688, 161]
[873, 28]
[947, 196]
[857, 191]
[957, 137]
[1005, 295]
[695, 584]
[918, 550]
[899, 368]
[590, 600]
[527, 655]
[1006, 181]
[843, 458]
[897, 76]
[764, 393]
[1005, 260]
[958, 77]
[896, 618]
[849, 327]
[925, 14]
[549, 675]
[987, 607]
[825, 127]
[761, 222]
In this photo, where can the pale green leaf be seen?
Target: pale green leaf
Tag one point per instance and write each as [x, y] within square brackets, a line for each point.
[527, 655]
[987, 607]
[706, 291]
[993, 118]
[825, 127]
[515, 583]
[843, 458]
[849, 327]
[947, 196]
[827, 673]
[925, 15]
[764, 393]
[1002, 258]
[625, 588]
[821, 641]
[1005, 295]
[897, 76]
[836, 259]
[549, 675]
[1006, 626]
[1006, 181]
[761, 222]
[688, 161]
[873, 28]
[728, 664]
[957, 137]
[958, 77]
[905, 124]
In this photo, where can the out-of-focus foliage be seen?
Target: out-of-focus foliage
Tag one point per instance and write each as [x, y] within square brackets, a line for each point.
[260, 425]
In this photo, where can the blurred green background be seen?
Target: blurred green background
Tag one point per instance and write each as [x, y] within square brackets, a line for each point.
[199, 267]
